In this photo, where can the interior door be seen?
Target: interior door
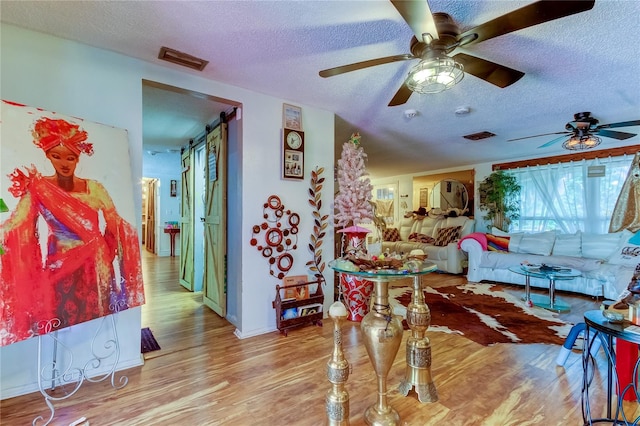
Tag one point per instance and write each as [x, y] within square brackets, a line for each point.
[215, 224]
[186, 221]
[150, 238]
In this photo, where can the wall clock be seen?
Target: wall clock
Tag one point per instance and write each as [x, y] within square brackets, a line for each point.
[292, 154]
[294, 140]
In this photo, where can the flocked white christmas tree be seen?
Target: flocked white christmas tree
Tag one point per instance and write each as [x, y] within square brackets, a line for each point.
[353, 203]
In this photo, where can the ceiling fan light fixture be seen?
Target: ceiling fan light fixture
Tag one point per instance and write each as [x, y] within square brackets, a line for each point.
[435, 75]
[580, 143]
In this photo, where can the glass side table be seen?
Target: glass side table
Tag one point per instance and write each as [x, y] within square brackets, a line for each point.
[551, 303]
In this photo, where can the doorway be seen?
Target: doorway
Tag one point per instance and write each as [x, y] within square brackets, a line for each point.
[459, 183]
[165, 111]
[199, 196]
[149, 212]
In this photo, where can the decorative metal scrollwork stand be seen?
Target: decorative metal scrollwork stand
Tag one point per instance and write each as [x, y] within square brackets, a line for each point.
[58, 375]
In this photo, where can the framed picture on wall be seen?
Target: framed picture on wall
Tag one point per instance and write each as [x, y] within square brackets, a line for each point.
[291, 117]
[424, 197]
[292, 154]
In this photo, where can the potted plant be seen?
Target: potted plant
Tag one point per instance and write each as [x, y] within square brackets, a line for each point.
[500, 198]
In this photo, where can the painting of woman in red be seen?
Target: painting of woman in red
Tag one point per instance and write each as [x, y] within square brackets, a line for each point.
[87, 265]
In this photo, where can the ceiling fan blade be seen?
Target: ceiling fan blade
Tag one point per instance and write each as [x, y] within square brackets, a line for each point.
[488, 71]
[528, 16]
[536, 136]
[613, 134]
[364, 64]
[621, 124]
[418, 15]
[552, 142]
[401, 96]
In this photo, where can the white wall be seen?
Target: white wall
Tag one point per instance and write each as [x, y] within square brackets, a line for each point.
[261, 178]
[105, 87]
[234, 222]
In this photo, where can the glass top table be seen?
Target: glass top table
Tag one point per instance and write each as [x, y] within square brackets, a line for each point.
[553, 274]
[409, 269]
[382, 332]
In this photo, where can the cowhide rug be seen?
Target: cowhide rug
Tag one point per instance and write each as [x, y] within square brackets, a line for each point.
[484, 313]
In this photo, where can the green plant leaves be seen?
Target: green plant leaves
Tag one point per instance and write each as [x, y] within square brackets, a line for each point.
[500, 198]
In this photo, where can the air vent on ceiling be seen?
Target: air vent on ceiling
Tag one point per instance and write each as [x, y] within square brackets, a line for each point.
[479, 135]
[186, 60]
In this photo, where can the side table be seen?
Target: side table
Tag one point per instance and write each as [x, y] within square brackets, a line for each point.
[382, 334]
[598, 327]
[172, 238]
[551, 303]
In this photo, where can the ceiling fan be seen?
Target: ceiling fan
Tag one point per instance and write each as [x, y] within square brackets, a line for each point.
[437, 35]
[583, 132]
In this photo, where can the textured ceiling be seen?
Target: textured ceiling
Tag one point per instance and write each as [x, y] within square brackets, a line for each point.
[584, 62]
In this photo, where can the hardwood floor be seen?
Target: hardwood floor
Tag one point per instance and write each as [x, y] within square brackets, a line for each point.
[204, 375]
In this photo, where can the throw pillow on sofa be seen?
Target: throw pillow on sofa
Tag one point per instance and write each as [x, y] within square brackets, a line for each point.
[539, 243]
[421, 238]
[445, 236]
[626, 253]
[391, 234]
[600, 246]
[499, 232]
[568, 245]
[514, 242]
[496, 243]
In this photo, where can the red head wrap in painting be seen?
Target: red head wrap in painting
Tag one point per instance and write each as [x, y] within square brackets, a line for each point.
[49, 133]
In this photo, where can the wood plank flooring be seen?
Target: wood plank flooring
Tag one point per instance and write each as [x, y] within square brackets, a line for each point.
[204, 375]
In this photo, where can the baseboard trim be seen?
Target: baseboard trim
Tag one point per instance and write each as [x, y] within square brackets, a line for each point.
[28, 388]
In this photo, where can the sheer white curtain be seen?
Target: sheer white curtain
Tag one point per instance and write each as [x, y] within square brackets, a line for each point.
[563, 197]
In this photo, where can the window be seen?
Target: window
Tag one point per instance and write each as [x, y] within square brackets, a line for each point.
[384, 198]
[570, 196]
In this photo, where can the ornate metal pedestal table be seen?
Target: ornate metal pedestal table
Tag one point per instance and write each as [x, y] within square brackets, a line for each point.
[418, 373]
[382, 333]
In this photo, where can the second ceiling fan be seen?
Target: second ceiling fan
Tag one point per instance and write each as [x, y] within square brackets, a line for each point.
[583, 131]
[436, 35]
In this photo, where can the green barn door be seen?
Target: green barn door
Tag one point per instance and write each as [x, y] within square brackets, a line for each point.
[215, 225]
[186, 221]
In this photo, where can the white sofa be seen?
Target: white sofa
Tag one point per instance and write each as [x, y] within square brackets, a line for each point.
[606, 261]
[448, 258]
